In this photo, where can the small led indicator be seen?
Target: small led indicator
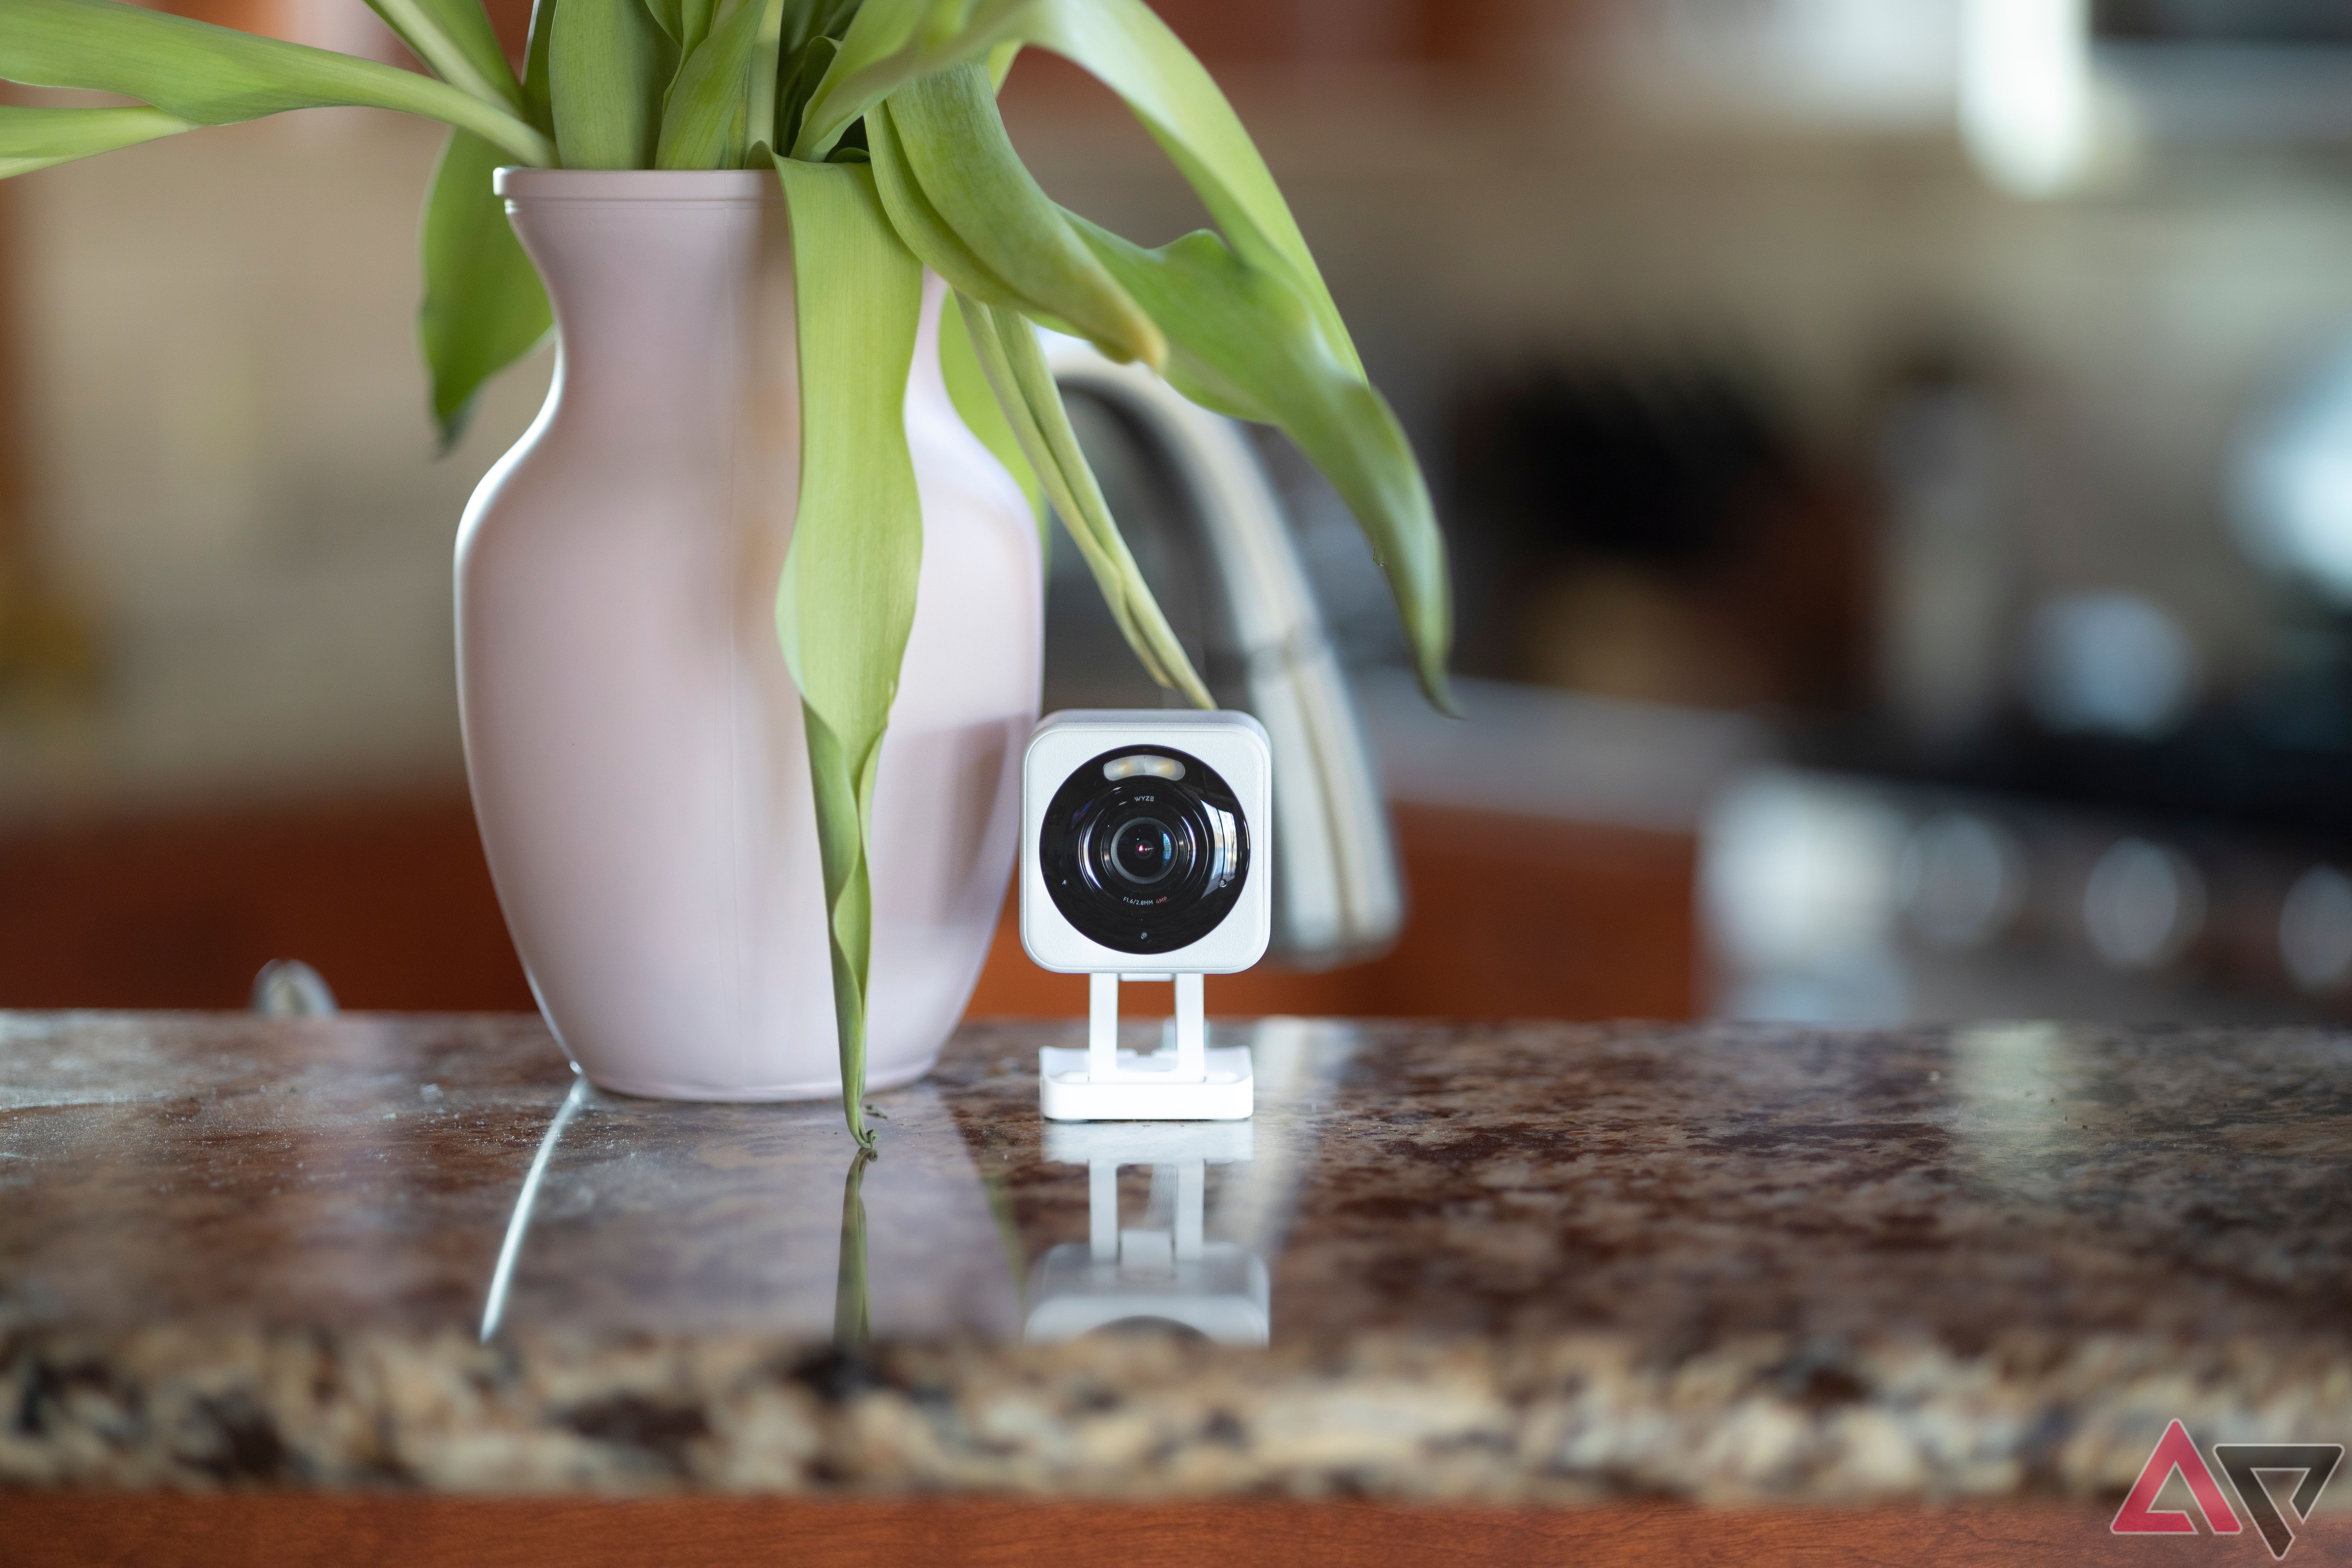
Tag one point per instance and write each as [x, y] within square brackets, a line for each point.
[1129, 767]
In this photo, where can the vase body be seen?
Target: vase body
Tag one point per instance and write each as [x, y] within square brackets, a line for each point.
[633, 738]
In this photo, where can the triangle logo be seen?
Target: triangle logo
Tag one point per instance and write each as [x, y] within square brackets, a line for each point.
[2311, 1463]
[2174, 1451]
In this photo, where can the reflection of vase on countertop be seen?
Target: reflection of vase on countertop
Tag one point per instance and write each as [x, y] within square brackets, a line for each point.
[633, 738]
[637, 1218]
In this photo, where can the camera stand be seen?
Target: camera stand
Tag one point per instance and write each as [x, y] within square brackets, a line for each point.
[1190, 1082]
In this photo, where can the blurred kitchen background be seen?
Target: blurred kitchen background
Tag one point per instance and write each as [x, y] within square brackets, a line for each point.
[1896, 455]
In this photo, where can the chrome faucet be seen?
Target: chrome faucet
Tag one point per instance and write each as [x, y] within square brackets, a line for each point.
[1339, 897]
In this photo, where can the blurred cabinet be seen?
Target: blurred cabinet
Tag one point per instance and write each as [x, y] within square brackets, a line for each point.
[1511, 916]
[392, 903]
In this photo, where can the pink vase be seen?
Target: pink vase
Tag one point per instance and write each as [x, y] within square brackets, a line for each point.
[633, 738]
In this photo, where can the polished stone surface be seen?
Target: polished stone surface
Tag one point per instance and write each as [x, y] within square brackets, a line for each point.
[1509, 1261]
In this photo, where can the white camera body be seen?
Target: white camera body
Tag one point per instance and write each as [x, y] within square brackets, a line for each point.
[1233, 747]
[1147, 854]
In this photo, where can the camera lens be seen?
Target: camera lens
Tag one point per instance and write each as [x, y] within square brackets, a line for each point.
[1144, 849]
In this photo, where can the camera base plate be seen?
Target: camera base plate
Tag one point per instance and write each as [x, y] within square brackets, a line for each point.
[1183, 1081]
[1067, 1091]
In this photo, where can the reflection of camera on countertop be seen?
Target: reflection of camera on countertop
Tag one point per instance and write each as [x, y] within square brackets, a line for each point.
[1144, 856]
[1165, 1268]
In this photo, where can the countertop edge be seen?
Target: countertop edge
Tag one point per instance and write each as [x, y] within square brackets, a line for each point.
[1559, 1419]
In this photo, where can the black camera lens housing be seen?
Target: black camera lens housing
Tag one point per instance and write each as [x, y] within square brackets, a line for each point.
[1144, 849]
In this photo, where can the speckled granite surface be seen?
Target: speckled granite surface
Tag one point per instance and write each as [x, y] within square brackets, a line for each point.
[1542, 1261]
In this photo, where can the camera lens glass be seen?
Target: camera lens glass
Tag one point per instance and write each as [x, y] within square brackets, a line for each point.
[1144, 849]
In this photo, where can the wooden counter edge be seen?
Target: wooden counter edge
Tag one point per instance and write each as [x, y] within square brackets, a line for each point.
[74, 1530]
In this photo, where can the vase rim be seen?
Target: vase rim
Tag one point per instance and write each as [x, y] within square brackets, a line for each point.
[697, 185]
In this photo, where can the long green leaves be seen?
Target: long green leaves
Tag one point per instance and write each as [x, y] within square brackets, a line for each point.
[607, 68]
[975, 401]
[1243, 340]
[890, 43]
[484, 308]
[36, 138]
[213, 76]
[694, 17]
[1244, 324]
[455, 38]
[959, 164]
[810, 37]
[1131, 51]
[535, 89]
[847, 598]
[760, 111]
[703, 126]
[895, 43]
[1008, 352]
[959, 150]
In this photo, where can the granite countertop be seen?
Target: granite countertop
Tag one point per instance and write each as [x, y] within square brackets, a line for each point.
[1525, 1262]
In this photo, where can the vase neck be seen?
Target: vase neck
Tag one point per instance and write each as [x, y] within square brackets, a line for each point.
[650, 275]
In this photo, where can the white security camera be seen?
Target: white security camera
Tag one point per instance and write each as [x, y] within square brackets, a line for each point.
[1146, 855]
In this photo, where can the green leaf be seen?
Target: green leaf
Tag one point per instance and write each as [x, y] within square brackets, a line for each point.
[1306, 374]
[806, 21]
[760, 123]
[484, 308]
[924, 232]
[1000, 62]
[1128, 49]
[213, 76]
[1008, 351]
[702, 126]
[1243, 340]
[812, 36]
[893, 42]
[794, 82]
[36, 138]
[847, 598]
[1131, 51]
[955, 148]
[919, 224]
[975, 400]
[536, 92]
[694, 18]
[669, 17]
[455, 39]
[608, 65]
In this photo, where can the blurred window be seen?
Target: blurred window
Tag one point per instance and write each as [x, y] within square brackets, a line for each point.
[2143, 905]
[2108, 663]
[2315, 930]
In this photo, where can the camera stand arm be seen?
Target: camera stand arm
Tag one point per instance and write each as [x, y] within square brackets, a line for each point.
[1102, 1033]
[1103, 1083]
